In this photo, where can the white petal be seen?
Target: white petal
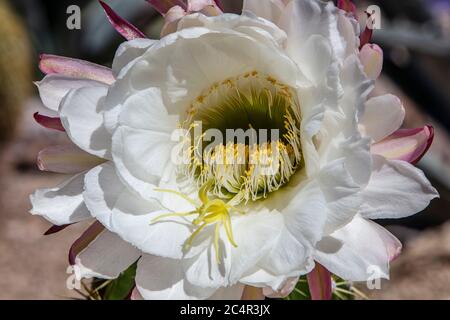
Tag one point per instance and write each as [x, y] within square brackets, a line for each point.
[383, 116]
[285, 290]
[186, 63]
[66, 159]
[267, 9]
[288, 255]
[53, 88]
[162, 279]
[314, 58]
[303, 209]
[81, 116]
[128, 51]
[254, 233]
[396, 190]
[105, 257]
[130, 216]
[364, 252]
[62, 204]
[261, 278]
[145, 155]
[247, 23]
[341, 193]
[145, 110]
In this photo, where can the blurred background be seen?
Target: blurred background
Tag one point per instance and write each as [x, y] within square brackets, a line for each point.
[415, 36]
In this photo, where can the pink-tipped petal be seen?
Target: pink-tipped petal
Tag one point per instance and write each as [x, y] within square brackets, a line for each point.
[371, 56]
[49, 122]
[51, 64]
[163, 6]
[136, 295]
[284, 291]
[67, 159]
[55, 229]
[86, 238]
[252, 293]
[406, 144]
[319, 282]
[347, 5]
[366, 35]
[220, 5]
[172, 18]
[126, 29]
[207, 7]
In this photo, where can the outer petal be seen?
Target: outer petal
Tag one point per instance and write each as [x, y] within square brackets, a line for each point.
[364, 248]
[145, 155]
[126, 29]
[163, 279]
[396, 190]
[319, 281]
[142, 144]
[284, 291]
[261, 278]
[383, 116]
[62, 204]
[50, 64]
[371, 57]
[347, 5]
[82, 116]
[53, 88]
[66, 159]
[105, 257]
[267, 9]
[128, 51]
[131, 216]
[162, 6]
[405, 144]
[49, 122]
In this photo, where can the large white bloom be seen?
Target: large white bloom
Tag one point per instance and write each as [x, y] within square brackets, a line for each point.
[298, 58]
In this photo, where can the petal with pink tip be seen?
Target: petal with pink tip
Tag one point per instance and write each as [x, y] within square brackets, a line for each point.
[163, 6]
[126, 29]
[102, 254]
[406, 144]
[172, 18]
[347, 6]
[319, 281]
[365, 37]
[209, 6]
[49, 122]
[66, 159]
[371, 56]
[83, 241]
[52, 64]
[285, 290]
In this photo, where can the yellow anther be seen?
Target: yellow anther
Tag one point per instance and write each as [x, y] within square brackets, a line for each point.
[210, 211]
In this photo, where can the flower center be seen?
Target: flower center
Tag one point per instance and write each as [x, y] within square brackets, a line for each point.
[244, 137]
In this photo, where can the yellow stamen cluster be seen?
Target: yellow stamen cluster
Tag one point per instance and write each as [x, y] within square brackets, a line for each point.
[209, 212]
[246, 171]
